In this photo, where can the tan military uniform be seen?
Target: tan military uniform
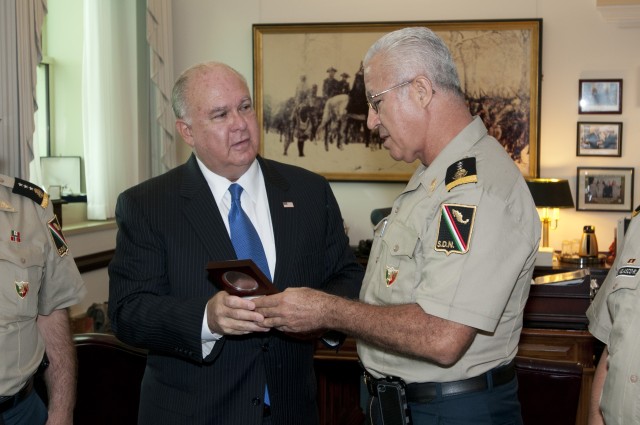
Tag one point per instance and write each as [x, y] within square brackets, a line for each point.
[614, 318]
[461, 242]
[37, 276]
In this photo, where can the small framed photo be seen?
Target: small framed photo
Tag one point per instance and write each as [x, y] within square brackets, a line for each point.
[599, 139]
[600, 97]
[55, 192]
[604, 189]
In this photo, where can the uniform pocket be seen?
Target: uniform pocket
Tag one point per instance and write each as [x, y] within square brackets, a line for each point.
[398, 248]
[622, 303]
[21, 269]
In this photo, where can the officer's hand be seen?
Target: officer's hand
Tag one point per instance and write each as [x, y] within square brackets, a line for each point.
[296, 310]
[232, 315]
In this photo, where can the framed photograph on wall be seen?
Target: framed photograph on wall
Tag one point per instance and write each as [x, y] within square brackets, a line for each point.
[599, 139]
[305, 122]
[604, 189]
[600, 97]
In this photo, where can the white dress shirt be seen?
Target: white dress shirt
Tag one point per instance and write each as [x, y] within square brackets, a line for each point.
[256, 205]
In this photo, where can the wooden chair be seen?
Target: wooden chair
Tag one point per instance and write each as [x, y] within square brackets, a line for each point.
[548, 390]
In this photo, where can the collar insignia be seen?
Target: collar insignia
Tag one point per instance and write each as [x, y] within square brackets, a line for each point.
[6, 206]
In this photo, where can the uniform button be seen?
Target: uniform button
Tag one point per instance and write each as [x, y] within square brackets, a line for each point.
[265, 347]
[396, 248]
[397, 209]
[633, 379]
[22, 260]
[255, 401]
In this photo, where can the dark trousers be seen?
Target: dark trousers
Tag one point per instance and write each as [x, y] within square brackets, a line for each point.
[30, 411]
[493, 406]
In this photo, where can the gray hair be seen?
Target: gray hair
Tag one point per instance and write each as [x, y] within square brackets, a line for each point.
[414, 51]
[181, 86]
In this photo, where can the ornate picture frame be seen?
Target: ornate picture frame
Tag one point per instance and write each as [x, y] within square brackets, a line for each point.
[498, 63]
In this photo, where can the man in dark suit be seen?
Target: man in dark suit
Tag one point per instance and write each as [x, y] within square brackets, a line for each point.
[210, 358]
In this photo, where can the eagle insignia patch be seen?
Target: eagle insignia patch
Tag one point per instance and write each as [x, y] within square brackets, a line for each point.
[390, 275]
[455, 228]
[461, 172]
[22, 288]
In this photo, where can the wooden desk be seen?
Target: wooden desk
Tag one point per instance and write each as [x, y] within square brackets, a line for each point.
[339, 374]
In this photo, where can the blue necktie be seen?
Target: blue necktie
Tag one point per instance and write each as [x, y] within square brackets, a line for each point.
[244, 236]
[246, 241]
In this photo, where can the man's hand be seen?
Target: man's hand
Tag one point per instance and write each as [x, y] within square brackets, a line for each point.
[296, 310]
[232, 315]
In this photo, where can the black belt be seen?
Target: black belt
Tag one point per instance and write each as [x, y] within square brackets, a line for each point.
[427, 391]
[9, 402]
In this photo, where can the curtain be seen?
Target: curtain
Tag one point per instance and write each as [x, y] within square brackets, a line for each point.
[20, 53]
[110, 103]
[159, 37]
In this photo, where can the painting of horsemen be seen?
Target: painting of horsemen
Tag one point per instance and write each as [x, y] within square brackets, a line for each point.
[311, 98]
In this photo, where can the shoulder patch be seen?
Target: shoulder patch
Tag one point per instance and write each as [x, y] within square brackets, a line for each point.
[455, 228]
[31, 191]
[461, 172]
[58, 238]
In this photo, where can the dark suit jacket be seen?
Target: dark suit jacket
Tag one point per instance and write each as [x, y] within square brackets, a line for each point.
[169, 229]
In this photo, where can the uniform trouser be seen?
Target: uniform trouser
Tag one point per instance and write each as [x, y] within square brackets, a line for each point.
[493, 406]
[30, 411]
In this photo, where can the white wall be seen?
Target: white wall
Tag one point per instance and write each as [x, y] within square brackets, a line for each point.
[577, 44]
[84, 242]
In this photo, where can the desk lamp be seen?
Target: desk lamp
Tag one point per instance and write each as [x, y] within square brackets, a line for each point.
[549, 195]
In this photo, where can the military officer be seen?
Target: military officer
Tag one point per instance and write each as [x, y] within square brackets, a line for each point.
[39, 280]
[441, 305]
[614, 318]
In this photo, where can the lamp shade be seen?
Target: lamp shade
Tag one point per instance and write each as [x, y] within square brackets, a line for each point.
[550, 193]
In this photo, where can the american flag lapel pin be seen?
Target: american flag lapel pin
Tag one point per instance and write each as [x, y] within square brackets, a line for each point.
[287, 204]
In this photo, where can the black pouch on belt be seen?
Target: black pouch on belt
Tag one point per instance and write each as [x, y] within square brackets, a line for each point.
[392, 397]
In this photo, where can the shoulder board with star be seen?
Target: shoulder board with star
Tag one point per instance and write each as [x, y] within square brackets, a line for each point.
[461, 172]
[31, 191]
[636, 211]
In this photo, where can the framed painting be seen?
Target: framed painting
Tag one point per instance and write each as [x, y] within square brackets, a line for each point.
[599, 139]
[604, 189]
[600, 97]
[305, 75]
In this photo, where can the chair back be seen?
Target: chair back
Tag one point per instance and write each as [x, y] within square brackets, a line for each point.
[109, 377]
[548, 390]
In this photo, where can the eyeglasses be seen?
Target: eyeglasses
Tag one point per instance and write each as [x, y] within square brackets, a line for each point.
[374, 104]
